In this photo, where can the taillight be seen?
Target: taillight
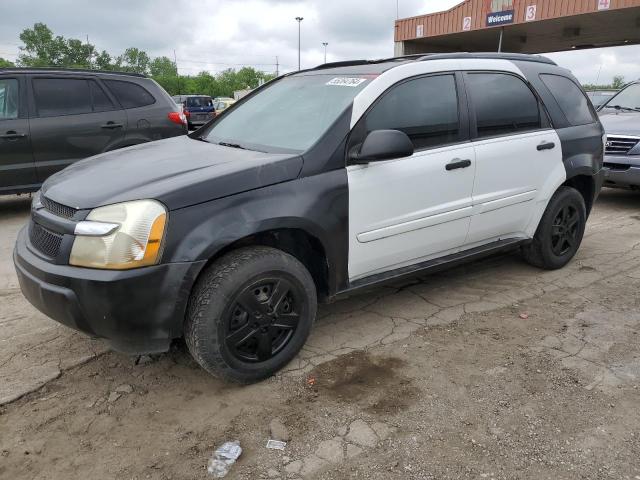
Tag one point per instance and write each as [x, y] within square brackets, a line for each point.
[178, 117]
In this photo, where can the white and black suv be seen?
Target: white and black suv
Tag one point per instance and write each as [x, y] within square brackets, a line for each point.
[317, 184]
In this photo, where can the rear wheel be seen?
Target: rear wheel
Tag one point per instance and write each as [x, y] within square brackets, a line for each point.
[250, 313]
[560, 232]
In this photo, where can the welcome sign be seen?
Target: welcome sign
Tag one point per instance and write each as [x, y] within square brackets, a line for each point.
[500, 18]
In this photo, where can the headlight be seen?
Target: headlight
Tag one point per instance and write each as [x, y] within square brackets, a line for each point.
[121, 236]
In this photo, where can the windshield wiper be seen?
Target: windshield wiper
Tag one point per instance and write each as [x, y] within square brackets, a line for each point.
[232, 145]
[618, 107]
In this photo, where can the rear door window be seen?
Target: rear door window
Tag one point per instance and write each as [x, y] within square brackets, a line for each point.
[129, 94]
[9, 98]
[426, 109]
[572, 101]
[503, 103]
[61, 96]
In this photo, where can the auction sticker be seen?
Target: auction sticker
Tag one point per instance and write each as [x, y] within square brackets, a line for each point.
[346, 82]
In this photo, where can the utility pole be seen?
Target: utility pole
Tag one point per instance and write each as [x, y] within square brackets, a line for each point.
[277, 67]
[88, 52]
[397, 9]
[325, 51]
[299, 19]
[175, 64]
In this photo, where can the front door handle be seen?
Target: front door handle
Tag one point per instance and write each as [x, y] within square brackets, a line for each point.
[457, 163]
[546, 146]
[112, 125]
[13, 135]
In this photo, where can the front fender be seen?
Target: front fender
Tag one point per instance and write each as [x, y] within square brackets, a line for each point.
[318, 205]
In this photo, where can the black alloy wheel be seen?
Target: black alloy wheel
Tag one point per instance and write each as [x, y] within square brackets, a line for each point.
[263, 318]
[564, 231]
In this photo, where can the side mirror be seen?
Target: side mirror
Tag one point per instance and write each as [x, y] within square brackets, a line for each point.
[382, 145]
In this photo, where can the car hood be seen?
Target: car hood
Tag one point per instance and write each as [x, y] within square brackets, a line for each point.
[178, 171]
[621, 123]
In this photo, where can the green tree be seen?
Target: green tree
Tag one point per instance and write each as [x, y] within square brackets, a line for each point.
[6, 63]
[41, 48]
[103, 61]
[162, 67]
[133, 60]
[618, 82]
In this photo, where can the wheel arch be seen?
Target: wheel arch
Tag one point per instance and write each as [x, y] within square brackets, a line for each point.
[585, 184]
[296, 241]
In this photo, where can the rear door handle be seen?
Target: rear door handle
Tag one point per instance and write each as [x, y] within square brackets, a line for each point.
[457, 163]
[13, 135]
[546, 146]
[112, 125]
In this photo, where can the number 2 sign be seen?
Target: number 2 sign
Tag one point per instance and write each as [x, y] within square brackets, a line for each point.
[466, 24]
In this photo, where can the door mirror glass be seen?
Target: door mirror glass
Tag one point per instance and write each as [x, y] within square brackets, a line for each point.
[382, 145]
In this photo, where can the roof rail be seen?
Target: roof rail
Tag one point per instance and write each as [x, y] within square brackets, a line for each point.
[70, 70]
[522, 57]
[419, 57]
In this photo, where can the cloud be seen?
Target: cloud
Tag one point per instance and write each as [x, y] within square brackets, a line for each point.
[217, 34]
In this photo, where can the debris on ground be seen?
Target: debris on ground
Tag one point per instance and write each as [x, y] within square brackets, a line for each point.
[124, 389]
[223, 458]
[276, 444]
[524, 316]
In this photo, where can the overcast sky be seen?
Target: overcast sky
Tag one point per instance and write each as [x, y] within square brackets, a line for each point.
[217, 34]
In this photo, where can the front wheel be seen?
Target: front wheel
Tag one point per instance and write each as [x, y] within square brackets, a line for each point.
[250, 313]
[560, 231]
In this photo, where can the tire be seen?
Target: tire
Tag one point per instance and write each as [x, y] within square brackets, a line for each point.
[560, 231]
[250, 313]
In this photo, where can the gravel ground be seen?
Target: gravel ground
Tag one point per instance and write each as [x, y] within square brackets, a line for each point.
[494, 370]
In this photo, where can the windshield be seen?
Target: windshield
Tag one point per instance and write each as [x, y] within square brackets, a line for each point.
[628, 98]
[289, 116]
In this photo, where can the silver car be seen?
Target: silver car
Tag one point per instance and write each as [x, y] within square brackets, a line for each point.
[621, 119]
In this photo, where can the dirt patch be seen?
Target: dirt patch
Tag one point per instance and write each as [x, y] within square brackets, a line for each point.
[376, 383]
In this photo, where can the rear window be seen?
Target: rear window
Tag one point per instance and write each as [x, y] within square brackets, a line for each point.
[199, 102]
[61, 96]
[130, 95]
[572, 101]
[504, 104]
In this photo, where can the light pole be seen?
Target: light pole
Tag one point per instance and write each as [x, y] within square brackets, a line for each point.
[299, 19]
[325, 50]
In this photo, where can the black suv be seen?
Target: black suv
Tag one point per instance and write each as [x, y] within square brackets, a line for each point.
[315, 185]
[50, 118]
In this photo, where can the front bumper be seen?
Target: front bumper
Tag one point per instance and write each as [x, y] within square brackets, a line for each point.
[622, 171]
[137, 311]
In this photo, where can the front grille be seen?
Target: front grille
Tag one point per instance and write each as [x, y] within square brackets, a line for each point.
[619, 145]
[45, 241]
[57, 208]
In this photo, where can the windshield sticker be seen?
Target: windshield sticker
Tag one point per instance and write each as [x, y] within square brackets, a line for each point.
[346, 82]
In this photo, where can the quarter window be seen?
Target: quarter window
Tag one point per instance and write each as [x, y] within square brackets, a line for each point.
[426, 109]
[101, 102]
[9, 98]
[61, 96]
[572, 101]
[130, 95]
[504, 104]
